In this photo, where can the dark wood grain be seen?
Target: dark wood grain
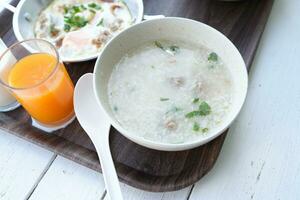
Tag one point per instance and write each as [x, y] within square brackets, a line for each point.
[243, 22]
[6, 19]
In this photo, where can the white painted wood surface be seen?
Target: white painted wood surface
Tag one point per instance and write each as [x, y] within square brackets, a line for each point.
[21, 166]
[260, 157]
[68, 180]
[131, 193]
[3, 1]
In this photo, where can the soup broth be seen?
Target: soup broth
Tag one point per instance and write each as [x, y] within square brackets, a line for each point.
[170, 92]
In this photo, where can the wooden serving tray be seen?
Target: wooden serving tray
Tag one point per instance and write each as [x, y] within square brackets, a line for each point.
[243, 22]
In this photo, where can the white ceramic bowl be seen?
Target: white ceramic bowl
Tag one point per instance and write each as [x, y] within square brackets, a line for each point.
[171, 29]
[27, 12]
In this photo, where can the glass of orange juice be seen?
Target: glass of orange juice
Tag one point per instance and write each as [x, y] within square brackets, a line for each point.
[40, 82]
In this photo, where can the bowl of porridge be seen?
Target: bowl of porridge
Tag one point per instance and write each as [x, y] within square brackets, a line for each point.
[170, 84]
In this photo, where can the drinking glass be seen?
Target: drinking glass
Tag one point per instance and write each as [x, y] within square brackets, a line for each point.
[7, 101]
[39, 81]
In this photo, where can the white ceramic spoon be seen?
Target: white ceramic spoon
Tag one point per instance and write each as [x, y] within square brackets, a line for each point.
[96, 125]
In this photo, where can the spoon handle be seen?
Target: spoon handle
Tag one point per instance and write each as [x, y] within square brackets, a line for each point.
[93, 120]
[108, 169]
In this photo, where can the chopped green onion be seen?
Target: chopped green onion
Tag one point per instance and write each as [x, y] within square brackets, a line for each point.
[196, 127]
[67, 27]
[95, 6]
[204, 130]
[213, 57]
[83, 7]
[76, 9]
[164, 99]
[66, 9]
[193, 114]
[72, 17]
[101, 22]
[196, 100]
[204, 109]
[76, 21]
[92, 11]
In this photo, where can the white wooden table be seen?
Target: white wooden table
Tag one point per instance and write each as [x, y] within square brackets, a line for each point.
[259, 160]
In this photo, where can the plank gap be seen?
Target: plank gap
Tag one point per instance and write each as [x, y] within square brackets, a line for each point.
[41, 176]
[189, 194]
[103, 195]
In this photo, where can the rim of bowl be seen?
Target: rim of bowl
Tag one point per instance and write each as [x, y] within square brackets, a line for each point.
[20, 38]
[170, 146]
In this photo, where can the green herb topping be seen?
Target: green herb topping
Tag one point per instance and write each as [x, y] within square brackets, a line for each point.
[204, 109]
[73, 15]
[196, 100]
[204, 130]
[213, 57]
[164, 99]
[100, 23]
[66, 9]
[193, 114]
[173, 49]
[92, 11]
[76, 21]
[196, 127]
[75, 9]
[67, 27]
[95, 6]
[83, 7]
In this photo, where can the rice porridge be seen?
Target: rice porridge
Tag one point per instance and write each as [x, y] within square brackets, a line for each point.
[170, 92]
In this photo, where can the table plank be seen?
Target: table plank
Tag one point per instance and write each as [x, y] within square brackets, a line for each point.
[130, 193]
[260, 157]
[22, 165]
[66, 179]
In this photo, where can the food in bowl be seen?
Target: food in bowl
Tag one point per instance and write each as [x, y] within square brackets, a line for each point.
[81, 28]
[170, 91]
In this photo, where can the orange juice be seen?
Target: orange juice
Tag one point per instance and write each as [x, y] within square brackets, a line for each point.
[44, 88]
